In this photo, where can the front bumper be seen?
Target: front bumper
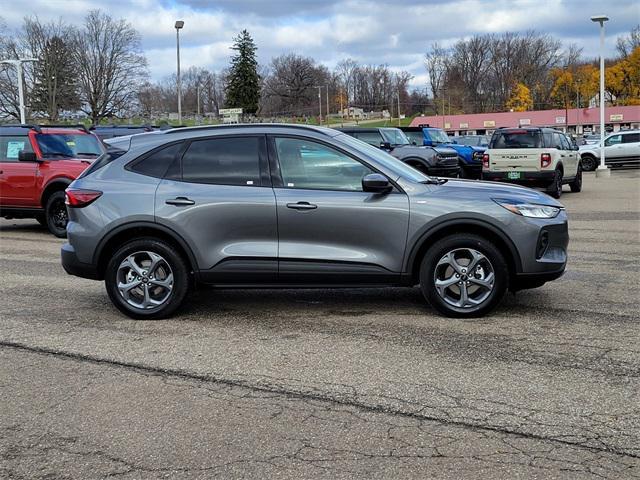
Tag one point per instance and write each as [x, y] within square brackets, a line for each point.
[444, 171]
[528, 179]
[73, 266]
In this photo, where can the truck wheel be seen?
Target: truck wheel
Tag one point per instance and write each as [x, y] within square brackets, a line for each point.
[464, 276]
[56, 214]
[41, 219]
[589, 163]
[576, 184]
[555, 188]
[147, 279]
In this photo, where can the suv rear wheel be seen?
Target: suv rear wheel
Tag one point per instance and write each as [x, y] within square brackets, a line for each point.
[465, 276]
[555, 189]
[576, 184]
[147, 279]
[56, 214]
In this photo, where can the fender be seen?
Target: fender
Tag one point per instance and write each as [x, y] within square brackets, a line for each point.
[62, 182]
[423, 161]
[455, 219]
[144, 224]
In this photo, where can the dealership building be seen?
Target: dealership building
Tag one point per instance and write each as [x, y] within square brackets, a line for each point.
[576, 120]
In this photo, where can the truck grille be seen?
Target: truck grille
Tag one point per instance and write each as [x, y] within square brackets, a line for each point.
[447, 159]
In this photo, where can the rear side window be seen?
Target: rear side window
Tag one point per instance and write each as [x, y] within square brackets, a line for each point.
[157, 163]
[631, 138]
[12, 145]
[517, 139]
[223, 161]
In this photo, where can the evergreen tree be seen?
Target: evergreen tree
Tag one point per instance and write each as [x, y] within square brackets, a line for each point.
[55, 87]
[243, 82]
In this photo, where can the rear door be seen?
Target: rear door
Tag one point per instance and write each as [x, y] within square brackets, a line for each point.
[515, 150]
[219, 199]
[631, 145]
[17, 179]
[569, 157]
[330, 230]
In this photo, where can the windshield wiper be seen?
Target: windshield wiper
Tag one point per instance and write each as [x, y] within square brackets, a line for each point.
[89, 153]
[56, 154]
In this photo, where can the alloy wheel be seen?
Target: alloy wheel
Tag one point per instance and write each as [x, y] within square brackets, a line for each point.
[464, 278]
[145, 280]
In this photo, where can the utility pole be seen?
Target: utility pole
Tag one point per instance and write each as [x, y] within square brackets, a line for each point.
[179, 24]
[398, 107]
[327, 114]
[320, 101]
[577, 107]
[18, 64]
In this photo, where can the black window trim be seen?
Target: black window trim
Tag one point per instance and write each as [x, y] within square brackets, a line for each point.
[131, 164]
[276, 175]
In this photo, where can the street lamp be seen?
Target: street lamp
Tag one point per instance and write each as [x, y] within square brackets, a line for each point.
[179, 24]
[18, 64]
[320, 100]
[602, 170]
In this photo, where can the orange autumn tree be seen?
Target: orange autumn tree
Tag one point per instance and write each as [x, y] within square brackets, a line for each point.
[520, 99]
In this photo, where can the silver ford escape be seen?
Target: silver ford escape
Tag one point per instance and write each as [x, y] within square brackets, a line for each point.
[290, 206]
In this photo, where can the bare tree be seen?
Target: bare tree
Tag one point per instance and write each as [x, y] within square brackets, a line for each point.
[628, 43]
[110, 65]
[437, 64]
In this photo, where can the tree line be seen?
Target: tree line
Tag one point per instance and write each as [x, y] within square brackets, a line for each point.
[99, 68]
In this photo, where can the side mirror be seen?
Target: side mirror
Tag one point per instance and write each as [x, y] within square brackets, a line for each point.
[27, 156]
[385, 146]
[414, 143]
[376, 183]
[575, 147]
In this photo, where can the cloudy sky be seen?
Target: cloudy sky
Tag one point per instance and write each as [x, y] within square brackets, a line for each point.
[394, 32]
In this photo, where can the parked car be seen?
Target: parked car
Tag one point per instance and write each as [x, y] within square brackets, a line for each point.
[535, 157]
[36, 165]
[470, 156]
[300, 206]
[590, 139]
[441, 162]
[620, 149]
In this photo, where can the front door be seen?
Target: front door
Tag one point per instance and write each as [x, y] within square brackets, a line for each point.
[221, 202]
[17, 179]
[330, 230]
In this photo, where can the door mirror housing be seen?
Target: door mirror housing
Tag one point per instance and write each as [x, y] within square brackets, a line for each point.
[386, 146]
[376, 183]
[27, 156]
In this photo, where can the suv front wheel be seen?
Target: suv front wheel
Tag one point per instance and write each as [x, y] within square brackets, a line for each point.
[147, 279]
[465, 276]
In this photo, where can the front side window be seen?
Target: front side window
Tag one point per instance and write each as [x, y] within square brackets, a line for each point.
[613, 140]
[566, 144]
[12, 145]
[372, 138]
[395, 136]
[415, 137]
[439, 136]
[69, 145]
[223, 161]
[310, 165]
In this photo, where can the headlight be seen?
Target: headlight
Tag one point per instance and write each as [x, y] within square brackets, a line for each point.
[529, 209]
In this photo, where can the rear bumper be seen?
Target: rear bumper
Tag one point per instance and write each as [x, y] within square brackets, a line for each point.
[73, 266]
[530, 179]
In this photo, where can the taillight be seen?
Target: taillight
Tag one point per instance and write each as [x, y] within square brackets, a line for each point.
[545, 160]
[77, 198]
[485, 160]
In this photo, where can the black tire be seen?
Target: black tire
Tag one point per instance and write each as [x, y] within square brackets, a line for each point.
[576, 184]
[461, 242]
[41, 219]
[463, 172]
[589, 163]
[56, 214]
[177, 267]
[555, 188]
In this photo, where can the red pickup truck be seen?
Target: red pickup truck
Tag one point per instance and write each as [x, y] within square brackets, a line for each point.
[37, 164]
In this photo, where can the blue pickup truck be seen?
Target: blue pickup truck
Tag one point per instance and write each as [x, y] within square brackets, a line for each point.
[469, 149]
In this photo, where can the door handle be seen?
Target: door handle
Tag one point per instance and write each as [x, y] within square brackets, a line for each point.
[180, 201]
[302, 206]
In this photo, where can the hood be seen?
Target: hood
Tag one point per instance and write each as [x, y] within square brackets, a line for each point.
[444, 149]
[474, 189]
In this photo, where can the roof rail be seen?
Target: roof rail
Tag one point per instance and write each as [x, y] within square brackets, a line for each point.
[78, 126]
[243, 125]
[24, 125]
[95, 127]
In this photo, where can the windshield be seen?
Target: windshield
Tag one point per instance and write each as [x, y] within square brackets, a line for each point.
[395, 136]
[517, 139]
[439, 136]
[384, 158]
[69, 145]
[416, 137]
[473, 141]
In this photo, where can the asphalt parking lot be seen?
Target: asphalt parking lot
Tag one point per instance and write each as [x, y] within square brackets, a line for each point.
[329, 384]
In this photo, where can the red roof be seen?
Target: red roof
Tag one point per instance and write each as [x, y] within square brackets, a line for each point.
[552, 118]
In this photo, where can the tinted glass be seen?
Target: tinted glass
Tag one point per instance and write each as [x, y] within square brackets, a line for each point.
[565, 143]
[372, 138]
[102, 160]
[469, 141]
[68, 145]
[157, 163]
[223, 161]
[631, 138]
[12, 145]
[311, 165]
[439, 136]
[395, 136]
[416, 137]
[516, 139]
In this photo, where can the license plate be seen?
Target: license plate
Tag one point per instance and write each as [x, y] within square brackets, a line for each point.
[513, 175]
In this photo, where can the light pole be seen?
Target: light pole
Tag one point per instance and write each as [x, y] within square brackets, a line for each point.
[327, 114]
[18, 64]
[602, 170]
[179, 25]
[320, 101]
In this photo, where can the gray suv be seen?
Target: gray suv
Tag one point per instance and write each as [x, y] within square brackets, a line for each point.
[291, 206]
